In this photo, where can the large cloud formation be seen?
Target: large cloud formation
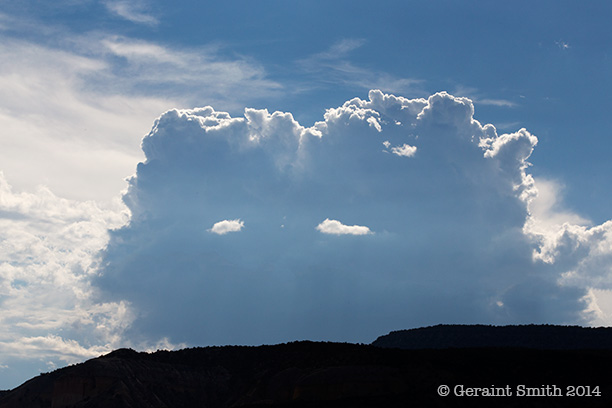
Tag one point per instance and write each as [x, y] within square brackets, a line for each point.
[439, 225]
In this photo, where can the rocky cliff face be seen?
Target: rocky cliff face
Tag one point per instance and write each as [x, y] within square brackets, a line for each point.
[308, 374]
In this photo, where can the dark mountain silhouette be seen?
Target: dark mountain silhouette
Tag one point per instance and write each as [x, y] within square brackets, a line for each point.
[545, 337]
[320, 374]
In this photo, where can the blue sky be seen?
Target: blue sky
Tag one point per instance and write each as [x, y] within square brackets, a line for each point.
[351, 168]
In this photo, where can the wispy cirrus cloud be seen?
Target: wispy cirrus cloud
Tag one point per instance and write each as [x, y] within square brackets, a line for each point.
[338, 50]
[334, 65]
[496, 102]
[64, 125]
[480, 99]
[135, 11]
[150, 67]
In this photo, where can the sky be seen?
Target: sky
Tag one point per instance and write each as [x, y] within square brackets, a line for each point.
[239, 172]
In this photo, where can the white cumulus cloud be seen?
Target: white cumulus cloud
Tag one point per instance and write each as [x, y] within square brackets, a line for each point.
[466, 224]
[225, 226]
[404, 150]
[335, 227]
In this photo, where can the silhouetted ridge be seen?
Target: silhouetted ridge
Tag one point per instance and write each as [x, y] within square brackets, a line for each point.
[325, 375]
[546, 337]
[123, 353]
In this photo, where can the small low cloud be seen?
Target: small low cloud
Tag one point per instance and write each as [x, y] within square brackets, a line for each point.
[225, 226]
[404, 150]
[335, 227]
